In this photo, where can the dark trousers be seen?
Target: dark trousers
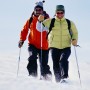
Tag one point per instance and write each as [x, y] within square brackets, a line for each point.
[32, 61]
[60, 62]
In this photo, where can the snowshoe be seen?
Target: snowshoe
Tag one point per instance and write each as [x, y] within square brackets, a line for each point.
[46, 77]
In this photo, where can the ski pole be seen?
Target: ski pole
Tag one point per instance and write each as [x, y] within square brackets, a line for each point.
[77, 46]
[18, 61]
[41, 48]
[77, 64]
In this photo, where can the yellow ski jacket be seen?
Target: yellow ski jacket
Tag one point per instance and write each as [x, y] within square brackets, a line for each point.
[59, 36]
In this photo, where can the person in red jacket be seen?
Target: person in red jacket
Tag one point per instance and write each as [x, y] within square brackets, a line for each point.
[37, 43]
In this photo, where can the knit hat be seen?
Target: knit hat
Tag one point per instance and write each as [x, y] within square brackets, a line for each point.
[60, 8]
[39, 5]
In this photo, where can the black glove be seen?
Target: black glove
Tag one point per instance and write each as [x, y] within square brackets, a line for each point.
[20, 43]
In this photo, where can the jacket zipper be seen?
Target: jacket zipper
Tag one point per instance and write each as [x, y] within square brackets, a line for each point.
[61, 33]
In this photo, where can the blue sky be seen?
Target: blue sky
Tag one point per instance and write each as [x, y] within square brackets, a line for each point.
[14, 13]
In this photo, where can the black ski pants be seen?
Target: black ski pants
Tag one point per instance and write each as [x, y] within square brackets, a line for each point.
[60, 62]
[34, 54]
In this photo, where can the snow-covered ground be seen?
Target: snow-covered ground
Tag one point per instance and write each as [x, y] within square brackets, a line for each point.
[10, 81]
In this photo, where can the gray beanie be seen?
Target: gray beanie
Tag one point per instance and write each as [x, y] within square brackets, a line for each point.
[60, 8]
[39, 5]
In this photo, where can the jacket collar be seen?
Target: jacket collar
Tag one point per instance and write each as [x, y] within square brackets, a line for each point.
[60, 19]
[35, 17]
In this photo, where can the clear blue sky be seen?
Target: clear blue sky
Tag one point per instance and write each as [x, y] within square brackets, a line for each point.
[14, 13]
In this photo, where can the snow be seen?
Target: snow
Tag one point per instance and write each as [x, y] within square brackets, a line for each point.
[10, 81]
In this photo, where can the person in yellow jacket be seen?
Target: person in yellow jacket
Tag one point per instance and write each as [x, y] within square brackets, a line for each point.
[60, 41]
[37, 44]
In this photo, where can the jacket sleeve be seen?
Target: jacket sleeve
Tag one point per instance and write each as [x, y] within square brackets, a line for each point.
[24, 31]
[74, 31]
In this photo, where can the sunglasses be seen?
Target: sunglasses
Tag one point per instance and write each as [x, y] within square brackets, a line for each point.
[38, 9]
[60, 13]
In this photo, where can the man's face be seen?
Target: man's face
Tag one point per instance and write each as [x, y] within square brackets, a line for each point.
[38, 11]
[59, 14]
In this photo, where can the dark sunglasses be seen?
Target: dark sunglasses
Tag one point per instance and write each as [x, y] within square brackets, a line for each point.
[60, 13]
[38, 9]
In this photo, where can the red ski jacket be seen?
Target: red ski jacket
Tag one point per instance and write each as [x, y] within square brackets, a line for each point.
[34, 36]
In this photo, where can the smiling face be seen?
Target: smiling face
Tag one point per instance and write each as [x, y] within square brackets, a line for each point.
[59, 14]
[38, 11]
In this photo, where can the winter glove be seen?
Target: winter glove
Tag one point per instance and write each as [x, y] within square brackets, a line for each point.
[20, 43]
[74, 42]
[40, 18]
